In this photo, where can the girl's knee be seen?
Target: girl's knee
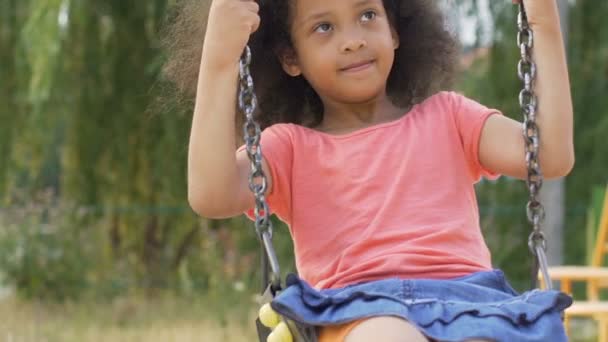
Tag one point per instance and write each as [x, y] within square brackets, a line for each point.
[386, 329]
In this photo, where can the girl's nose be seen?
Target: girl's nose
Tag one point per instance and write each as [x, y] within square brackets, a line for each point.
[353, 44]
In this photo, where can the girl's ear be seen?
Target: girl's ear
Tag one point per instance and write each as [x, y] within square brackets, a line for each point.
[395, 37]
[289, 62]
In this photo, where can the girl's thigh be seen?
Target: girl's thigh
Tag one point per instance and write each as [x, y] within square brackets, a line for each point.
[386, 329]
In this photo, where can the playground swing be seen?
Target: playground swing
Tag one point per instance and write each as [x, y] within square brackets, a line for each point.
[271, 278]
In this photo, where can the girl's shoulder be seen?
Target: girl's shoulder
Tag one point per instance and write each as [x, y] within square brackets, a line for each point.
[453, 103]
[281, 133]
[290, 130]
[444, 98]
[439, 106]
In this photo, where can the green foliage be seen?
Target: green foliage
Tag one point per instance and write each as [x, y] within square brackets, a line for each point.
[13, 76]
[43, 251]
[39, 39]
[88, 132]
[58, 251]
[588, 62]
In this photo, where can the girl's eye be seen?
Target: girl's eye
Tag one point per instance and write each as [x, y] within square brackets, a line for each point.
[368, 16]
[322, 28]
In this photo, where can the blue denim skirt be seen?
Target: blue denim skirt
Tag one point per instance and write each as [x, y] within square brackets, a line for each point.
[480, 305]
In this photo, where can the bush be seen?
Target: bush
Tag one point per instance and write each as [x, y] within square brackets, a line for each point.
[45, 251]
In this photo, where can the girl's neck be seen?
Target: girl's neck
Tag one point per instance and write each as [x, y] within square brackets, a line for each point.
[344, 118]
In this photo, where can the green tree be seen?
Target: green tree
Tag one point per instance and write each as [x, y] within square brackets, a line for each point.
[87, 126]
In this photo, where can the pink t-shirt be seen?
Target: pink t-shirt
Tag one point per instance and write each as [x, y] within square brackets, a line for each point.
[391, 200]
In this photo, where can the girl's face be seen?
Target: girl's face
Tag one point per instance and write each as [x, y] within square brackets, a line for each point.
[344, 48]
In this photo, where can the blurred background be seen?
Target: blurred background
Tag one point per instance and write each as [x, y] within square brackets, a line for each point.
[97, 241]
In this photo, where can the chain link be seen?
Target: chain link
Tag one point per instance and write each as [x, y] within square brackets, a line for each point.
[258, 182]
[526, 71]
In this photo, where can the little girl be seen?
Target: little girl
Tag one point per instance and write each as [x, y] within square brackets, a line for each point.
[371, 166]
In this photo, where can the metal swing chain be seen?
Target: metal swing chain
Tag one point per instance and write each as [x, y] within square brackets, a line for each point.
[247, 101]
[271, 275]
[528, 101]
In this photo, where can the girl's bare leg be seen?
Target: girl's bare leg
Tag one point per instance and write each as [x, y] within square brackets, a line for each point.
[389, 329]
[385, 329]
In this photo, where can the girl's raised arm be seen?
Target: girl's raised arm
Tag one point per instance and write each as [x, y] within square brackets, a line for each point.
[217, 184]
[501, 148]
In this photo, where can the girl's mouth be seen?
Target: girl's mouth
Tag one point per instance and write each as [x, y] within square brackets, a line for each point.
[358, 66]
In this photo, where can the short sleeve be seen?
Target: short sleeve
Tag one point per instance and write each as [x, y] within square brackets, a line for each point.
[276, 145]
[470, 117]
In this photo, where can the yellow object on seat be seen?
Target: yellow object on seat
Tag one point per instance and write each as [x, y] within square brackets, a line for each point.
[268, 317]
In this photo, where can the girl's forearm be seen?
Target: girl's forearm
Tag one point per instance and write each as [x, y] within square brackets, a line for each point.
[555, 113]
[212, 170]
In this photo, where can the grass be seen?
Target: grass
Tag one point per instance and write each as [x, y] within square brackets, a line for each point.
[127, 319]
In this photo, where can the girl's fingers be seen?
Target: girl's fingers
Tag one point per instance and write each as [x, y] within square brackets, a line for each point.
[252, 5]
[256, 24]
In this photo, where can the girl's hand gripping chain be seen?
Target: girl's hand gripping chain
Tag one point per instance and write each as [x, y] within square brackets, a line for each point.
[270, 319]
[229, 26]
[540, 11]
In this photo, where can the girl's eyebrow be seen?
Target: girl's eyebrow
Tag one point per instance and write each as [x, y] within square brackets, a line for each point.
[315, 17]
[320, 15]
[362, 3]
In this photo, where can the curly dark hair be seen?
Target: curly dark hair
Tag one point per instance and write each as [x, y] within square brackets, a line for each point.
[425, 62]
